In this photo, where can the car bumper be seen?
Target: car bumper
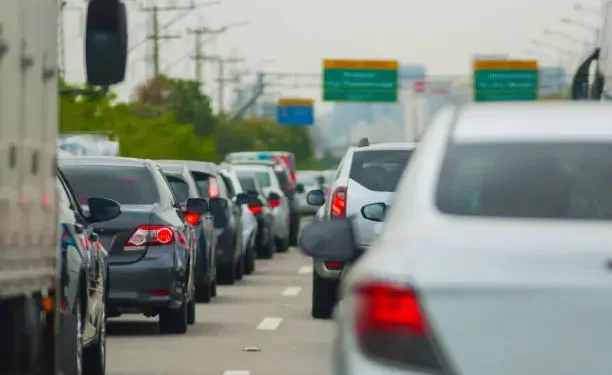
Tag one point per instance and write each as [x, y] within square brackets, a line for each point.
[333, 274]
[145, 286]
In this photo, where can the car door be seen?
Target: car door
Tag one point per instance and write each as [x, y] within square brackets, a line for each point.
[90, 259]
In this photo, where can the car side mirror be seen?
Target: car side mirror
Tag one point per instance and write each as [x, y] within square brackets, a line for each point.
[315, 197]
[374, 211]
[217, 204]
[242, 198]
[331, 240]
[102, 209]
[197, 206]
[299, 188]
[106, 42]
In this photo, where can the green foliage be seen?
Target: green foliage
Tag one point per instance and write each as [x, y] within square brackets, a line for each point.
[173, 119]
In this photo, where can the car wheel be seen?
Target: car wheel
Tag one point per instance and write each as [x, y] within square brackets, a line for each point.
[226, 275]
[203, 293]
[249, 266]
[324, 296]
[213, 288]
[282, 245]
[191, 312]
[268, 250]
[173, 321]
[94, 356]
[240, 268]
[293, 235]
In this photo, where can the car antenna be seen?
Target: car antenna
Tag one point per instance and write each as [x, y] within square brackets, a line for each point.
[363, 142]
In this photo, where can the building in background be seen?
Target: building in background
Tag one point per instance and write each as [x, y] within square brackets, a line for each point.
[552, 81]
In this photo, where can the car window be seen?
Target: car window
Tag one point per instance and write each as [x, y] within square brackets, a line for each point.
[180, 188]
[562, 181]
[62, 200]
[230, 187]
[221, 186]
[247, 181]
[379, 170]
[126, 185]
[283, 180]
[263, 177]
[202, 182]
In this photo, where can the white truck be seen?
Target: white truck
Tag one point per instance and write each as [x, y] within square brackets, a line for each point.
[29, 254]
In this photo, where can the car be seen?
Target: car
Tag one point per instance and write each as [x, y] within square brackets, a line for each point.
[260, 208]
[228, 224]
[495, 253]
[278, 201]
[285, 157]
[286, 178]
[249, 222]
[84, 277]
[150, 244]
[307, 181]
[367, 174]
[184, 187]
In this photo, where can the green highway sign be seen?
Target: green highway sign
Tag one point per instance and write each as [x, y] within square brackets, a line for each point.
[505, 80]
[360, 80]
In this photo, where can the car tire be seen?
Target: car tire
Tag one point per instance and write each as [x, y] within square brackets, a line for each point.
[240, 268]
[213, 288]
[94, 356]
[191, 312]
[227, 275]
[324, 296]
[294, 231]
[203, 293]
[282, 245]
[173, 321]
[249, 265]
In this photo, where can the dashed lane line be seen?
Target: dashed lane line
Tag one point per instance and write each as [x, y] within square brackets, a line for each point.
[305, 269]
[269, 324]
[236, 372]
[291, 291]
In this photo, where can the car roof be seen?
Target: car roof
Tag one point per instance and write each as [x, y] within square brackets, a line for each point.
[252, 166]
[528, 122]
[387, 146]
[269, 163]
[105, 160]
[202, 166]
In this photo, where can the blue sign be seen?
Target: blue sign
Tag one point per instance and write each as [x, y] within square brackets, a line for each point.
[295, 115]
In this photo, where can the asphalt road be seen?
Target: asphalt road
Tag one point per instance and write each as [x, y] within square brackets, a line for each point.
[260, 326]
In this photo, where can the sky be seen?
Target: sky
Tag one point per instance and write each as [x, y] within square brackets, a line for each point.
[294, 36]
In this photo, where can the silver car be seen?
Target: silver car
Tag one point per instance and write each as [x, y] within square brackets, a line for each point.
[307, 181]
[496, 255]
[365, 175]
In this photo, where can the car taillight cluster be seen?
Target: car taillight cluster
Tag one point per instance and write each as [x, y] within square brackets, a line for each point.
[192, 218]
[390, 326]
[255, 209]
[153, 235]
[338, 203]
[274, 202]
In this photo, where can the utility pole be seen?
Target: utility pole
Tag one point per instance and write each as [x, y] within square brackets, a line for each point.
[199, 60]
[156, 37]
[221, 78]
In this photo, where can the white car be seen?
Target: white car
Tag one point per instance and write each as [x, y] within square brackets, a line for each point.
[496, 256]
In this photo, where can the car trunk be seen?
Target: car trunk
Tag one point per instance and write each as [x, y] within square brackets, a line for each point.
[513, 305]
[114, 234]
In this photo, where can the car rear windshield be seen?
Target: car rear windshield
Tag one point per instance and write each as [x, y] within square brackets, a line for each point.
[202, 182]
[248, 183]
[126, 185]
[179, 187]
[379, 170]
[263, 178]
[535, 180]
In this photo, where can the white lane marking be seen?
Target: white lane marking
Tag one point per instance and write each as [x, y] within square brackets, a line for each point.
[305, 269]
[236, 372]
[291, 291]
[269, 324]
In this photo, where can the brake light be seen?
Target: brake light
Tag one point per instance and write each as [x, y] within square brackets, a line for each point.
[274, 203]
[333, 265]
[390, 326]
[338, 203]
[150, 235]
[256, 209]
[192, 218]
[213, 189]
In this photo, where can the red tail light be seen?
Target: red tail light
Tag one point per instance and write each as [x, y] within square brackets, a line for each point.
[213, 189]
[390, 325]
[192, 218]
[256, 209]
[274, 203]
[333, 265]
[150, 235]
[338, 203]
